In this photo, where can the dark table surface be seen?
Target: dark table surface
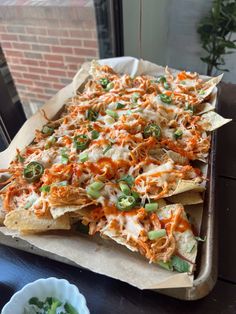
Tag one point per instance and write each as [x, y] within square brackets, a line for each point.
[107, 296]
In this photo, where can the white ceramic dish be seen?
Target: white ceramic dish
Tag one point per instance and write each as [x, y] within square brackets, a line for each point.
[42, 288]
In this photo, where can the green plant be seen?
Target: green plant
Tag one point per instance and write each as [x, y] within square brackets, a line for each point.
[215, 33]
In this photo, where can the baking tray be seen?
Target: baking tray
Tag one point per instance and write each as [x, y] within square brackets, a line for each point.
[206, 273]
[207, 259]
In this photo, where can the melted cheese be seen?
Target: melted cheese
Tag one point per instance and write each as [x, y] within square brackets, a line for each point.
[129, 225]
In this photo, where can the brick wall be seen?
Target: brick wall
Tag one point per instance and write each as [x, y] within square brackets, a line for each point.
[45, 45]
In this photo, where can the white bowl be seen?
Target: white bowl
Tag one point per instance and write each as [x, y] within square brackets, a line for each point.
[42, 288]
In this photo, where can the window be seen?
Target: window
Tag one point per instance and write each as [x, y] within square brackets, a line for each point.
[45, 42]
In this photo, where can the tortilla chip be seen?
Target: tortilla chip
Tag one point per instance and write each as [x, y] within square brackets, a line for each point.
[59, 211]
[177, 158]
[2, 215]
[26, 220]
[215, 120]
[186, 245]
[186, 242]
[161, 202]
[186, 198]
[111, 234]
[209, 86]
[204, 107]
[81, 76]
[187, 185]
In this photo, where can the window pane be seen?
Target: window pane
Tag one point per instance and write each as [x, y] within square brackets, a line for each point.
[44, 43]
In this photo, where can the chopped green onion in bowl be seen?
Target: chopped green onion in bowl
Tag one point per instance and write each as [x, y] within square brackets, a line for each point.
[50, 305]
[47, 296]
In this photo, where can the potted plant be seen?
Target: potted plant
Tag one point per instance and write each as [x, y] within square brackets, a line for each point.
[215, 32]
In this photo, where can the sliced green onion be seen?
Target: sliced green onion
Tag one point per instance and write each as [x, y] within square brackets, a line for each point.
[20, 158]
[178, 134]
[64, 157]
[166, 99]
[97, 185]
[180, 264]
[166, 85]
[37, 302]
[47, 130]
[125, 202]
[202, 92]
[109, 146]
[70, 309]
[91, 115]
[51, 140]
[190, 107]
[152, 129]
[128, 179]
[156, 234]
[109, 120]
[124, 188]
[161, 79]
[112, 114]
[151, 207]
[104, 81]
[28, 204]
[93, 193]
[83, 157]
[109, 86]
[81, 141]
[120, 106]
[166, 265]
[45, 188]
[95, 134]
[135, 97]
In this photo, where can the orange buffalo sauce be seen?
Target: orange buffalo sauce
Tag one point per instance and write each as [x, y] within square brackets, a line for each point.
[110, 209]
[182, 225]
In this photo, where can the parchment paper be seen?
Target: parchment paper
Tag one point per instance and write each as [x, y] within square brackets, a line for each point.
[96, 254]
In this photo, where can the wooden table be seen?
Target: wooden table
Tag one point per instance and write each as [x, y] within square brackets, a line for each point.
[108, 296]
